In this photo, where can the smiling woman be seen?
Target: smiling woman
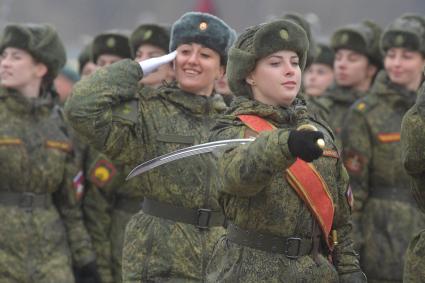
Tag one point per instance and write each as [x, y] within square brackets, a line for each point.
[172, 239]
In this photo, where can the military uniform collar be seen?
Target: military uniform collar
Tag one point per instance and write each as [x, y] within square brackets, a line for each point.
[196, 104]
[277, 115]
[395, 95]
[21, 104]
[345, 95]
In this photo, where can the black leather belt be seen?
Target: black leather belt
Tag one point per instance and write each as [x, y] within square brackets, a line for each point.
[202, 218]
[26, 200]
[388, 193]
[130, 205]
[292, 247]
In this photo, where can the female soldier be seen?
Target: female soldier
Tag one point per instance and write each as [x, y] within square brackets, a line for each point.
[385, 211]
[172, 238]
[280, 208]
[42, 236]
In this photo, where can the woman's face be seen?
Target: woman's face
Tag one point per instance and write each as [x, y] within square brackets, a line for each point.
[18, 69]
[317, 78]
[163, 73]
[353, 70]
[404, 67]
[196, 68]
[276, 79]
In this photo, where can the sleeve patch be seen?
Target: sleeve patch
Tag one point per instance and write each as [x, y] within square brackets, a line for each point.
[10, 141]
[102, 173]
[60, 145]
[350, 197]
[354, 162]
[78, 184]
[388, 137]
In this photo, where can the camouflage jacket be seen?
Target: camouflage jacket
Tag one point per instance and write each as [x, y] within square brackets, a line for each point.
[372, 156]
[412, 147]
[110, 201]
[333, 107]
[168, 119]
[37, 157]
[256, 196]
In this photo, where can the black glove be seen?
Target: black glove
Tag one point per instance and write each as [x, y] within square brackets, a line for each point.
[303, 144]
[87, 273]
[355, 277]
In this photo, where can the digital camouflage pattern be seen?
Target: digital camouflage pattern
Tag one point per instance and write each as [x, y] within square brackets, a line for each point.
[42, 244]
[412, 152]
[333, 105]
[385, 214]
[155, 249]
[110, 202]
[256, 196]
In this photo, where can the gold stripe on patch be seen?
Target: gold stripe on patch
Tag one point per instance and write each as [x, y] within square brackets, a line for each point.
[330, 153]
[10, 141]
[389, 137]
[64, 146]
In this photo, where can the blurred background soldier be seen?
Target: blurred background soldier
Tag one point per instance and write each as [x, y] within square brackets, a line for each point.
[357, 60]
[149, 41]
[413, 157]
[386, 216]
[319, 75]
[42, 234]
[86, 66]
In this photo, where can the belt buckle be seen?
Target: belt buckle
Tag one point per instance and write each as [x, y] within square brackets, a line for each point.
[203, 218]
[287, 245]
[26, 201]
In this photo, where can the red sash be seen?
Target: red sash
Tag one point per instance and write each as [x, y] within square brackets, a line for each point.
[305, 180]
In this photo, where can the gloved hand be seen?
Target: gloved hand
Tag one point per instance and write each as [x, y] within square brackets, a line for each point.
[87, 273]
[303, 144]
[150, 65]
[355, 277]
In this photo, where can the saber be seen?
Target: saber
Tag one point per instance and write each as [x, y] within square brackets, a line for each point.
[186, 152]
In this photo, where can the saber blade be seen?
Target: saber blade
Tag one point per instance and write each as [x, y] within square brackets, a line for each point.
[186, 152]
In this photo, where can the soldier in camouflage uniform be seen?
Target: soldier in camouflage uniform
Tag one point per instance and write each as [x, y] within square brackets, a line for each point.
[41, 233]
[111, 200]
[110, 47]
[412, 151]
[172, 238]
[149, 41]
[86, 66]
[273, 233]
[357, 60]
[319, 75]
[385, 212]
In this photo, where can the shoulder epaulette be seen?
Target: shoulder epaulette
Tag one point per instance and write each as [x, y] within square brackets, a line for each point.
[126, 111]
[365, 104]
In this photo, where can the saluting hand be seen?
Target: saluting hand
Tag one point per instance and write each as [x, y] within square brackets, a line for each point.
[150, 65]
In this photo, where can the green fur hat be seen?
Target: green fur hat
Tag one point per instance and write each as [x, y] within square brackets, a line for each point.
[362, 37]
[407, 31]
[150, 34]
[204, 29]
[258, 42]
[298, 19]
[324, 55]
[111, 43]
[40, 40]
[84, 57]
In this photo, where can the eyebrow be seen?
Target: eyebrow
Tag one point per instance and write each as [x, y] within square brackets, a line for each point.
[281, 57]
